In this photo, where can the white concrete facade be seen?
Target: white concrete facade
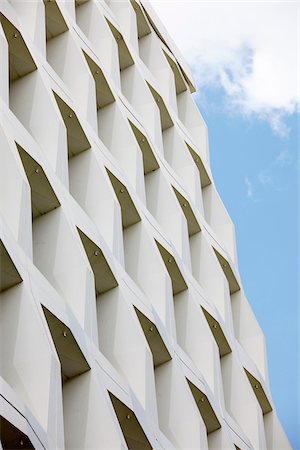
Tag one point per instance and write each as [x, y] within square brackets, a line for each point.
[123, 319]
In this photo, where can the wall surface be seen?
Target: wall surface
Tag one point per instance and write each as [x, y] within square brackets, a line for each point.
[123, 319]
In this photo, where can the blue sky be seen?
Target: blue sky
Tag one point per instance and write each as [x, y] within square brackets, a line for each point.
[245, 63]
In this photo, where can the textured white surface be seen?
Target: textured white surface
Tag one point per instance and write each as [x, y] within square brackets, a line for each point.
[123, 319]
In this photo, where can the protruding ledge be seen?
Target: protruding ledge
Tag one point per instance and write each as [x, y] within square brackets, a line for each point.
[9, 276]
[192, 222]
[206, 410]
[149, 160]
[77, 140]
[178, 282]
[20, 60]
[13, 438]
[130, 216]
[224, 347]
[142, 23]
[204, 177]
[228, 272]
[133, 432]
[259, 393]
[104, 278]
[180, 83]
[104, 94]
[71, 357]
[43, 197]
[165, 118]
[125, 58]
[158, 347]
[55, 22]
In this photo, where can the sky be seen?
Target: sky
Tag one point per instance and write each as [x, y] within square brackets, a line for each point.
[245, 60]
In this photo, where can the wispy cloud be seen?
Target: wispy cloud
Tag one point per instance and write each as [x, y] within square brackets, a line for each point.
[284, 157]
[272, 175]
[249, 188]
[248, 49]
[276, 120]
[265, 177]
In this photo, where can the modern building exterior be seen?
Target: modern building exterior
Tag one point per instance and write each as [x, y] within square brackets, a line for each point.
[123, 319]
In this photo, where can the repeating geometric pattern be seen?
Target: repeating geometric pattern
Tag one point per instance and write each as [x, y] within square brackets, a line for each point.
[123, 319]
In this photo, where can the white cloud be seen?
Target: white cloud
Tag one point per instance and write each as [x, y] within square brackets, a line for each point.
[249, 48]
[249, 187]
[284, 157]
[264, 177]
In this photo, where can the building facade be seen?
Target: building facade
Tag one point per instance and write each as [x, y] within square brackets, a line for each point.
[123, 319]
